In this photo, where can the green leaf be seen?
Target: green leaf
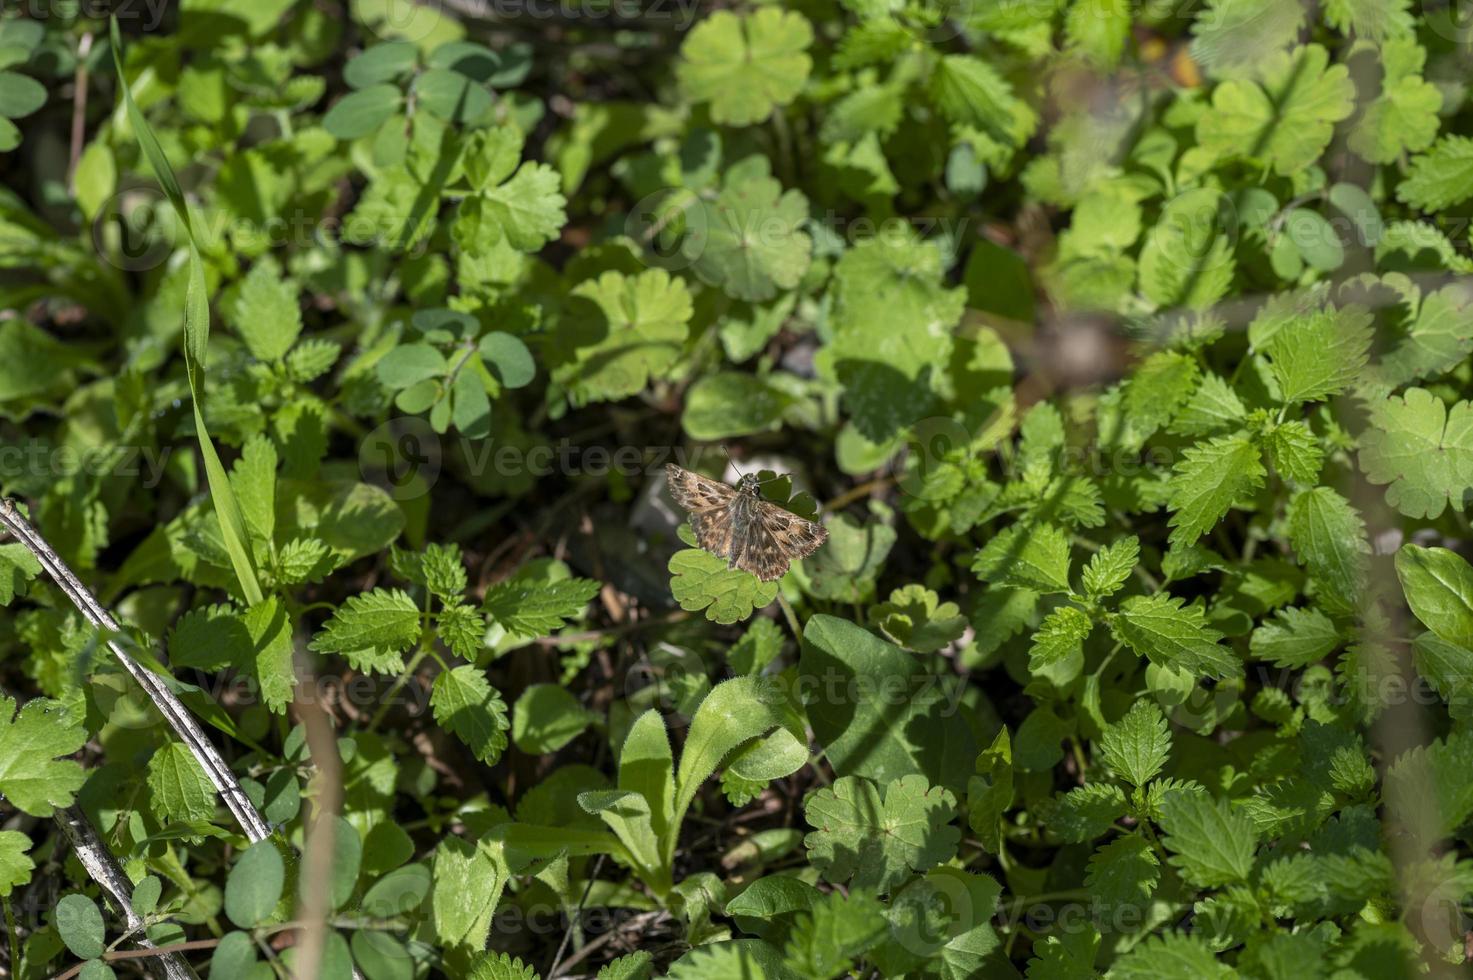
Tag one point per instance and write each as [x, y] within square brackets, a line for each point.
[1294, 451]
[533, 608]
[31, 776]
[17, 568]
[1435, 783]
[1403, 118]
[1441, 177]
[372, 630]
[1169, 635]
[20, 95]
[546, 718]
[990, 792]
[833, 932]
[1423, 450]
[969, 91]
[266, 314]
[379, 63]
[509, 359]
[362, 112]
[917, 619]
[1210, 477]
[1330, 538]
[747, 240]
[1319, 355]
[178, 788]
[702, 581]
[1438, 585]
[255, 885]
[875, 713]
[1233, 37]
[1436, 341]
[1296, 638]
[1187, 259]
[1289, 120]
[735, 712]
[1084, 813]
[465, 703]
[1137, 746]
[1057, 651]
[1212, 841]
[1098, 29]
[879, 843]
[79, 923]
[1034, 557]
[619, 331]
[1213, 408]
[1174, 956]
[15, 865]
[730, 403]
[1375, 20]
[1110, 567]
[747, 65]
[527, 210]
[468, 882]
[1124, 872]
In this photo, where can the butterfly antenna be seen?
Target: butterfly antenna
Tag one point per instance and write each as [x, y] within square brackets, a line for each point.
[731, 461]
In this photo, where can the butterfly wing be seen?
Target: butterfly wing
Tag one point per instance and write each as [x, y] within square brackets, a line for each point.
[773, 539]
[709, 503]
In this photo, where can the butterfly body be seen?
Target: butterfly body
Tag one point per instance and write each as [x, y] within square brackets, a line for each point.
[735, 523]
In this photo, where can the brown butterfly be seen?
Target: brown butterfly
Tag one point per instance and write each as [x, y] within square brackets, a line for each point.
[735, 523]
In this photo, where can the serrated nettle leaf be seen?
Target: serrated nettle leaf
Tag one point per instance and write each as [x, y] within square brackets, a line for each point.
[1212, 841]
[1169, 634]
[1210, 478]
[1035, 558]
[372, 629]
[466, 704]
[1107, 572]
[1057, 653]
[1295, 638]
[1137, 746]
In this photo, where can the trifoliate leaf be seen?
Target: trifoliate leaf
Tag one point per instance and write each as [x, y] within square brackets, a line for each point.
[178, 788]
[618, 331]
[1441, 177]
[1422, 450]
[747, 240]
[1295, 638]
[1136, 747]
[465, 703]
[1057, 652]
[1211, 840]
[1208, 480]
[1034, 557]
[878, 844]
[529, 608]
[1110, 567]
[1288, 121]
[1403, 116]
[372, 630]
[1160, 629]
[31, 776]
[746, 65]
[266, 314]
[1319, 355]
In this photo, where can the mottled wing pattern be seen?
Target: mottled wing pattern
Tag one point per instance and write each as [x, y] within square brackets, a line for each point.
[774, 539]
[709, 503]
[696, 493]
